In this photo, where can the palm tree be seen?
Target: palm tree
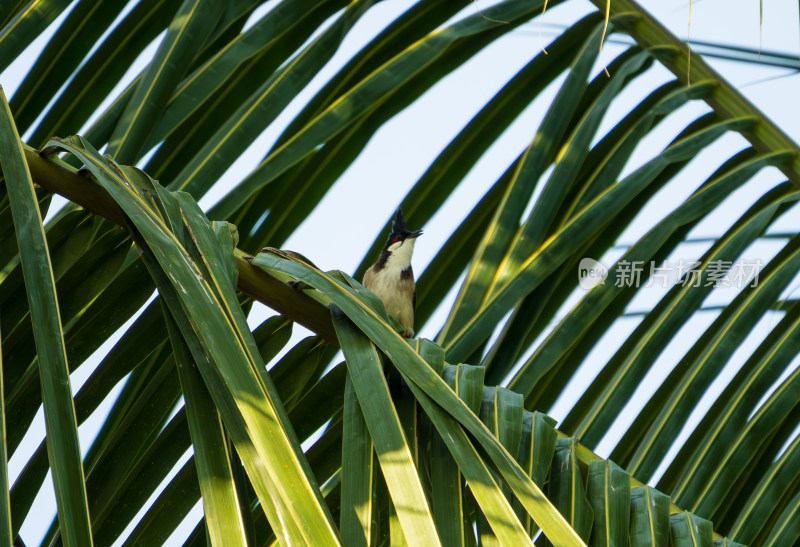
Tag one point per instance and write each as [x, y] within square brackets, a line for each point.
[419, 442]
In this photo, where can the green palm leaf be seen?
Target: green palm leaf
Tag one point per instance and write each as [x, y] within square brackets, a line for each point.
[63, 448]
[415, 442]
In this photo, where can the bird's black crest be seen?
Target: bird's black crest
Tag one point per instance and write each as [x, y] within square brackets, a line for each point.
[399, 223]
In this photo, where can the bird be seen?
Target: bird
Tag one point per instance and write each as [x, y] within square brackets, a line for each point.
[391, 277]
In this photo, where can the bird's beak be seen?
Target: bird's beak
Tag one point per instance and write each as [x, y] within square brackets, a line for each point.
[413, 235]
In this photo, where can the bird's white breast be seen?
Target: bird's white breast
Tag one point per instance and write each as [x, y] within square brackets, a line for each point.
[395, 292]
[397, 304]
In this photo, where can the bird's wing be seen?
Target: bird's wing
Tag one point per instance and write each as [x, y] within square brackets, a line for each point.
[368, 276]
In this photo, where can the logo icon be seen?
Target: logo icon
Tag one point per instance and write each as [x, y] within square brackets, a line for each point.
[591, 273]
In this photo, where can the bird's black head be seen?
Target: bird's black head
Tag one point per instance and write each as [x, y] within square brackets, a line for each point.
[399, 231]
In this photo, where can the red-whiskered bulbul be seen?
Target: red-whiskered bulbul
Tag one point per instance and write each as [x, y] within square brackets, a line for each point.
[391, 277]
